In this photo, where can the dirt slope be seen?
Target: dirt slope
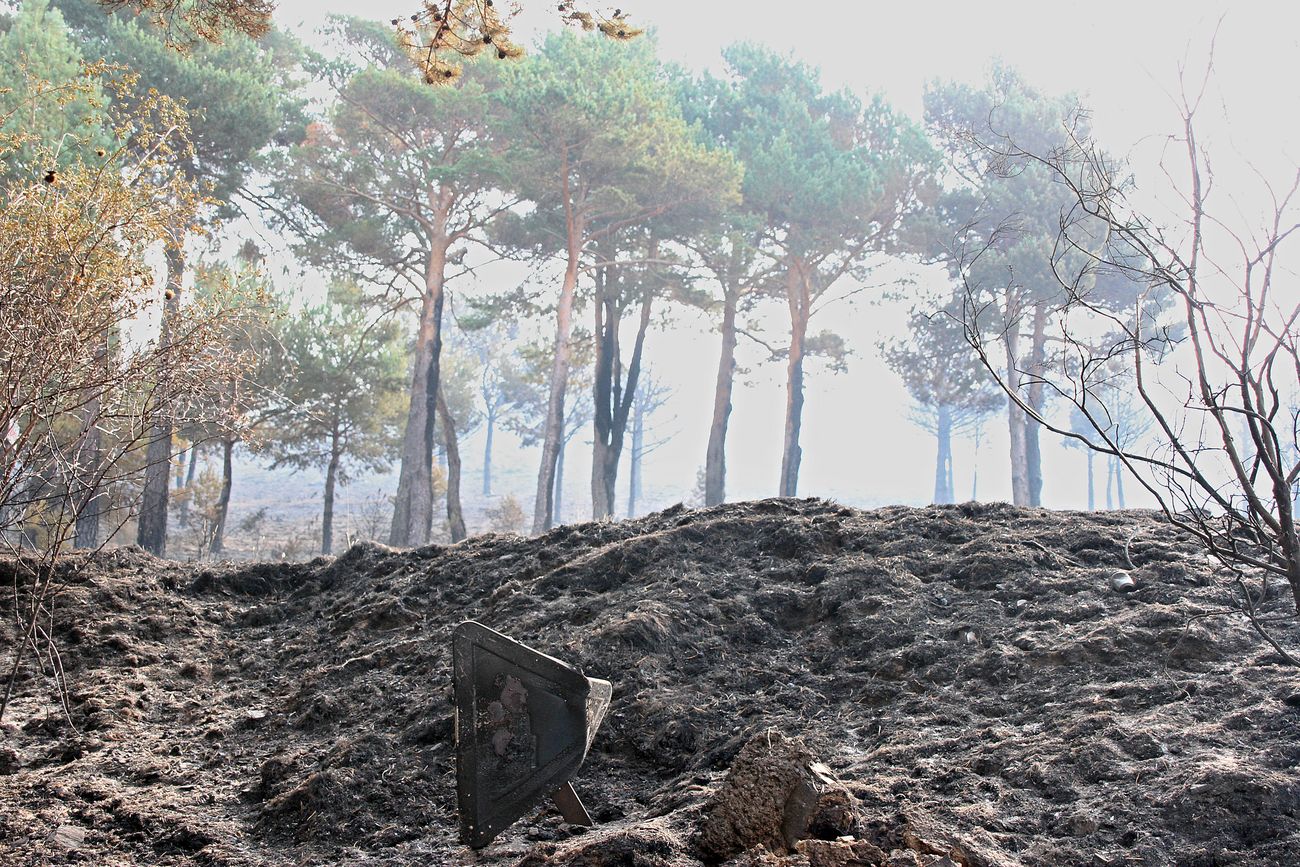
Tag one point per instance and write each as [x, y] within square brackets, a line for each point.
[976, 692]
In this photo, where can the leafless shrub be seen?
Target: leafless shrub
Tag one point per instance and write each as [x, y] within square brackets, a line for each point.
[1210, 353]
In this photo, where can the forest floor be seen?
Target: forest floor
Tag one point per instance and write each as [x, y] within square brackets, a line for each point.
[962, 681]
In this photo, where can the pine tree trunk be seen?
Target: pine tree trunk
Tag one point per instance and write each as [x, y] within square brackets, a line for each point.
[544, 509]
[223, 501]
[151, 529]
[797, 296]
[455, 515]
[331, 481]
[634, 470]
[613, 404]
[1016, 422]
[413, 502]
[606, 390]
[558, 497]
[715, 458]
[86, 534]
[1036, 398]
[943, 457]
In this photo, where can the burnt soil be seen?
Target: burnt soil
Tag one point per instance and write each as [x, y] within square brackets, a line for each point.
[965, 675]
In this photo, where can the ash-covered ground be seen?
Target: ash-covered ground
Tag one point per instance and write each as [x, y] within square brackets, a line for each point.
[960, 684]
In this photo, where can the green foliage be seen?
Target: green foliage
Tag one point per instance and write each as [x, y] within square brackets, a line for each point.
[1005, 212]
[39, 64]
[342, 375]
[525, 383]
[235, 406]
[595, 132]
[827, 173]
[240, 90]
[940, 369]
[393, 168]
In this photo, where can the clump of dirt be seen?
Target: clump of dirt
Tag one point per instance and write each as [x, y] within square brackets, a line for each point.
[775, 795]
[950, 685]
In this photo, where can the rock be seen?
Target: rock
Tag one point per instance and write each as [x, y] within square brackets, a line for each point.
[773, 795]
[9, 760]
[839, 853]
[902, 858]
[68, 836]
[1080, 824]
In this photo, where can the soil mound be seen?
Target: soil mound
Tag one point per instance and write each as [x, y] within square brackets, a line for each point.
[795, 683]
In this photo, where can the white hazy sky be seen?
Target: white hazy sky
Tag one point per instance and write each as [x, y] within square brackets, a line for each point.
[1123, 58]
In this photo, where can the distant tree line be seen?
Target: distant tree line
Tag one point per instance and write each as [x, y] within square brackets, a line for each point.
[642, 187]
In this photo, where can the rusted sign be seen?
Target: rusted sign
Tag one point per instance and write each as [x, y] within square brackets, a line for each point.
[524, 723]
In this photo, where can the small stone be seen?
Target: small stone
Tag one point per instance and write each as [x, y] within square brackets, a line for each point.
[255, 714]
[1024, 642]
[68, 836]
[1080, 824]
[9, 760]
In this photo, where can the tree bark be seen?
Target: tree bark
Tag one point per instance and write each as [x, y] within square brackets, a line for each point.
[1036, 398]
[559, 483]
[223, 500]
[799, 300]
[544, 509]
[943, 457]
[455, 515]
[331, 480]
[413, 502]
[151, 528]
[1016, 421]
[715, 458]
[86, 534]
[612, 399]
[606, 386]
[634, 468]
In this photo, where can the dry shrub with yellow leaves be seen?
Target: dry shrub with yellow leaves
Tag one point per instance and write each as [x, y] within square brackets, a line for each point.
[84, 372]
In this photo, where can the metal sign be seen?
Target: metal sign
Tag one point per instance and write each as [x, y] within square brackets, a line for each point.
[524, 723]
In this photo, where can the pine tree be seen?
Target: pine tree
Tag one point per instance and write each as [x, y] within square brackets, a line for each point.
[342, 375]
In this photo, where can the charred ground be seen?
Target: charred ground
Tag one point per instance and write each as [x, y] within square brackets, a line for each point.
[965, 673]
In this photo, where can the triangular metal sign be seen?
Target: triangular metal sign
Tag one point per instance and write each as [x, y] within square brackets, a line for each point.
[524, 723]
